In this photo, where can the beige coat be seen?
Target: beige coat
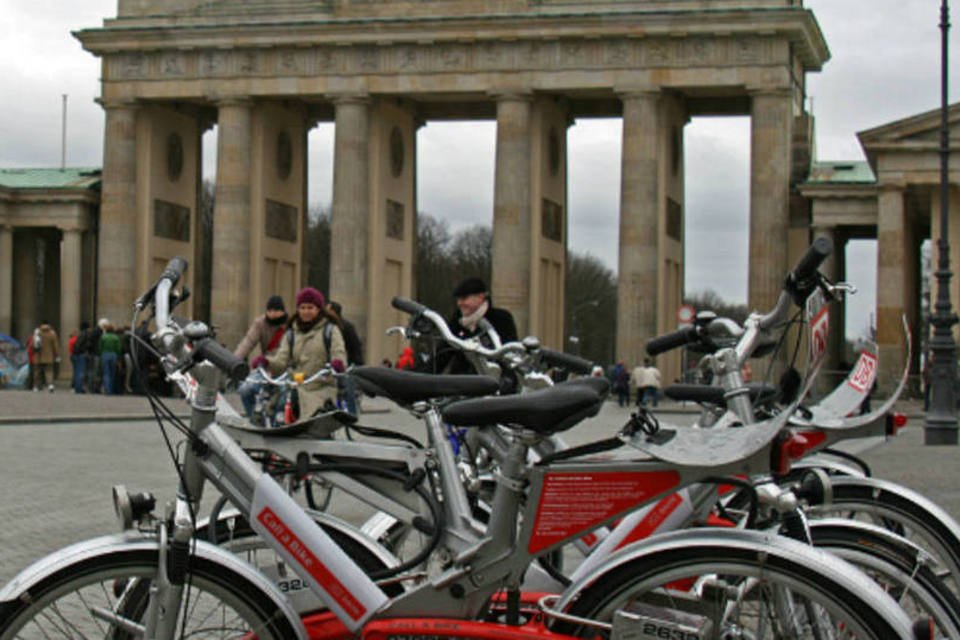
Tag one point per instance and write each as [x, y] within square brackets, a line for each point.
[308, 356]
[50, 345]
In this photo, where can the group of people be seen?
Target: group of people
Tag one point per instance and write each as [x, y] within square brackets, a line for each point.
[315, 335]
[318, 334]
[644, 381]
[99, 357]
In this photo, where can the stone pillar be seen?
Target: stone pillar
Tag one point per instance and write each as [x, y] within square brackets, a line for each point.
[891, 283]
[6, 279]
[71, 269]
[231, 223]
[512, 232]
[117, 236]
[350, 217]
[770, 153]
[639, 215]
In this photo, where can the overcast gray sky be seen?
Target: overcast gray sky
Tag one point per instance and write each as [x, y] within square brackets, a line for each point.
[884, 66]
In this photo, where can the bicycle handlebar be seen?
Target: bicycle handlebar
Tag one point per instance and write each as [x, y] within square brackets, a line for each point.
[417, 309]
[223, 358]
[284, 378]
[672, 340]
[573, 364]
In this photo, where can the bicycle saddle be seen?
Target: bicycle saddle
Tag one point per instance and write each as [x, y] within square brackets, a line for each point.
[545, 411]
[407, 387]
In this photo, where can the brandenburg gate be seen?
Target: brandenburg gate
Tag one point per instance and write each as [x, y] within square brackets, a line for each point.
[266, 72]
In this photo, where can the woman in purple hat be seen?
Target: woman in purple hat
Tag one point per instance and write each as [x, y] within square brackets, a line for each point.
[311, 342]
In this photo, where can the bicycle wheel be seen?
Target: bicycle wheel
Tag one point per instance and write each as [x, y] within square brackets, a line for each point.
[898, 566]
[903, 511]
[90, 598]
[739, 585]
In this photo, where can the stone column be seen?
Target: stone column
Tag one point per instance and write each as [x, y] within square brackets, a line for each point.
[770, 153]
[639, 228]
[891, 283]
[229, 308]
[350, 217]
[117, 236]
[71, 269]
[512, 234]
[6, 279]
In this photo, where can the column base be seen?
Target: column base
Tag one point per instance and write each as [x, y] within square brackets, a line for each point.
[940, 430]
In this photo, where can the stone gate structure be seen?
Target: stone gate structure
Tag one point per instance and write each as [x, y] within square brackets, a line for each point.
[266, 72]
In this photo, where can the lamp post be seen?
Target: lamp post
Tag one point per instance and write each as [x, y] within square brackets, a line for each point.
[940, 426]
[575, 337]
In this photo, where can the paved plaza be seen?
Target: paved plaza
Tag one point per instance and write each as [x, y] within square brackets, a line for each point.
[62, 453]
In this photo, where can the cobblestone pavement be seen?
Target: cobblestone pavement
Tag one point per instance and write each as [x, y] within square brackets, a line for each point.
[62, 453]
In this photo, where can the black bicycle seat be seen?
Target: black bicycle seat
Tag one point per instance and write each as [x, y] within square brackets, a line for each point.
[545, 411]
[407, 387]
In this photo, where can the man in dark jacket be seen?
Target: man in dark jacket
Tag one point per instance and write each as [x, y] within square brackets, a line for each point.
[346, 385]
[473, 304]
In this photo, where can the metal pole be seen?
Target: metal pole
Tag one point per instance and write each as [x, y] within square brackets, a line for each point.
[63, 135]
[940, 426]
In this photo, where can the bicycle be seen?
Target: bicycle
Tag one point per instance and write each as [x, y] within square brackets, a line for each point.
[741, 578]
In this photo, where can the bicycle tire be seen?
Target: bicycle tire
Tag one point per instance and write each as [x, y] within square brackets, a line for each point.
[63, 604]
[836, 603]
[902, 511]
[897, 565]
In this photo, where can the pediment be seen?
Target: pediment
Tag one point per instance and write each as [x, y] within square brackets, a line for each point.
[923, 129]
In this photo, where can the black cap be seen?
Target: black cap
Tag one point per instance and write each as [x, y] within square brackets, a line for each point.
[469, 287]
[275, 303]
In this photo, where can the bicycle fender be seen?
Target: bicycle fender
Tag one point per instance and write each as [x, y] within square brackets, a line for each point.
[876, 486]
[762, 545]
[134, 541]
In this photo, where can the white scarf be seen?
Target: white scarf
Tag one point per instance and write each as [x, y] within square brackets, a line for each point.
[470, 322]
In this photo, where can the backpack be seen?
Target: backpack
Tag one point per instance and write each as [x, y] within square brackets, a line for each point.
[327, 336]
[80, 346]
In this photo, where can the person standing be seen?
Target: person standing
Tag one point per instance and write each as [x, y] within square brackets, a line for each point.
[303, 349]
[646, 380]
[473, 304]
[110, 351]
[46, 349]
[346, 385]
[93, 356]
[78, 357]
[621, 383]
[264, 333]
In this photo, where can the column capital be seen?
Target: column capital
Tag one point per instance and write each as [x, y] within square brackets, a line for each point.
[117, 103]
[890, 186]
[511, 95]
[233, 101]
[771, 92]
[638, 92]
[350, 98]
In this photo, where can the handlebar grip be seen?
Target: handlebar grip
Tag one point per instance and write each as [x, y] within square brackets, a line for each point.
[223, 358]
[671, 340]
[573, 364]
[407, 305]
[819, 251]
[174, 270]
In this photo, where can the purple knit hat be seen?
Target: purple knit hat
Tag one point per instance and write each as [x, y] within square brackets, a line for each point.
[309, 294]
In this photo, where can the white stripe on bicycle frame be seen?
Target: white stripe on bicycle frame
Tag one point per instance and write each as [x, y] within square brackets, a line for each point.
[316, 558]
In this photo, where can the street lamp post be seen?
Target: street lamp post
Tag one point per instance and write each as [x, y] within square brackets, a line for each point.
[575, 338]
[940, 426]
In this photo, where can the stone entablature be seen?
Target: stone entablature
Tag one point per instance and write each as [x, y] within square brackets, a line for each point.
[739, 45]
